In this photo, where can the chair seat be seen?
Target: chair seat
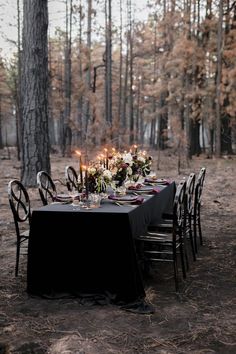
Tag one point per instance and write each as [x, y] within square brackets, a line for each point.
[158, 237]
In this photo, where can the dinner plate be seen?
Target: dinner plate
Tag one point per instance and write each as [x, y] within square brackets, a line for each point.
[63, 198]
[143, 189]
[157, 181]
[123, 198]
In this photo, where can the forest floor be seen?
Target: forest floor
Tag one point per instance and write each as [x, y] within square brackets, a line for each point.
[202, 319]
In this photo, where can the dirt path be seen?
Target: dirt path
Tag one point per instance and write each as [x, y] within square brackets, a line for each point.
[201, 320]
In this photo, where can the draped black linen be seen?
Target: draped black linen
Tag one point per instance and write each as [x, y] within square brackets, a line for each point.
[91, 252]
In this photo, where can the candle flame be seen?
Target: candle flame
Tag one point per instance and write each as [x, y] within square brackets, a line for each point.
[78, 152]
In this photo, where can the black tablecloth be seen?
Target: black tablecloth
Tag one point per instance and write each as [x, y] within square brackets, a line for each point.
[91, 252]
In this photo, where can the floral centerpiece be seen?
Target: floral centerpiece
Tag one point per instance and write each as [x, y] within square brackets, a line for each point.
[141, 165]
[98, 178]
[120, 167]
[128, 166]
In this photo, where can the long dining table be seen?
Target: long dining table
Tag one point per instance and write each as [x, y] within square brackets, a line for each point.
[79, 252]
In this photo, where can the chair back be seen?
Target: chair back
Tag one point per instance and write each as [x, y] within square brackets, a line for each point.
[178, 206]
[199, 187]
[19, 203]
[189, 193]
[71, 178]
[46, 187]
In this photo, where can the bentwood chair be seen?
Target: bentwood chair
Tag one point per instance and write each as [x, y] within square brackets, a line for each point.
[20, 206]
[46, 187]
[188, 211]
[197, 208]
[165, 246]
[71, 177]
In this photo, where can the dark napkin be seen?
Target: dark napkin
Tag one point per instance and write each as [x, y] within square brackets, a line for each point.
[138, 201]
[135, 187]
[155, 190]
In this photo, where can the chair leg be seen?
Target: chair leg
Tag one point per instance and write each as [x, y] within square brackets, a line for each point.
[199, 227]
[17, 258]
[195, 232]
[185, 250]
[191, 238]
[175, 266]
[192, 244]
[182, 260]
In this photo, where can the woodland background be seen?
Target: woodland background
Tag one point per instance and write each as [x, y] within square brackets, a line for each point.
[168, 81]
[166, 84]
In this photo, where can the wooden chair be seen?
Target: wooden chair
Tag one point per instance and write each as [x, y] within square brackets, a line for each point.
[197, 208]
[164, 246]
[71, 177]
[20, 205]
[46, 187]
[188, 211]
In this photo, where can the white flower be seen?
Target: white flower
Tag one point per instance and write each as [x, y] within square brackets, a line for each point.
[114, 171]
[141, 159]
[92, 170]
[129, 171]
[107, 174]
[128, 158]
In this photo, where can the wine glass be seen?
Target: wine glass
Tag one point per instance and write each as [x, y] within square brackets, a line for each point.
[75, 197]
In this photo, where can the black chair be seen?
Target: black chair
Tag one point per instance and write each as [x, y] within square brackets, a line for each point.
[20, 205]
[165, 246]
[46, 187]
[197, 208]
[188, 212]
[71, 178]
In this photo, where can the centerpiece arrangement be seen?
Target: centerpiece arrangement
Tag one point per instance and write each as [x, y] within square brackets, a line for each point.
[120, 167]
[141, 165]
[114, 170]
[98, 178]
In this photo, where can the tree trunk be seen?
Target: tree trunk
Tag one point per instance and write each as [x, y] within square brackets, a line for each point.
[67, 133]
[120, 70]
[52, 137]
[125, 94]
[35, 148]
[88, 74]
[218, 80]
[108, 67]
[1, 140]
[80, 100]
[18, 86]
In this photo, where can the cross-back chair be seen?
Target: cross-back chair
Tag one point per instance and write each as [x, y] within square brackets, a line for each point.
[20, 206]
[71, 177]
[166, 245]
[188, 211]
[46, 187]
[197, 208]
